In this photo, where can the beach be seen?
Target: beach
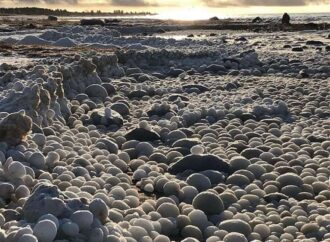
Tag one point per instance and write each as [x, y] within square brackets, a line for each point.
[146, 129]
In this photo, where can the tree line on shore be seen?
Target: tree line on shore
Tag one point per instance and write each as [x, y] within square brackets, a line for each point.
[64, 12]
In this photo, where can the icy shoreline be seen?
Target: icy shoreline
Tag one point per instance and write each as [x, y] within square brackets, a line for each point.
[193, 135]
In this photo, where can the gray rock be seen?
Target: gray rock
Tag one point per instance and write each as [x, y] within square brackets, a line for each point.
[141, 134]
[45, 199]
[199, 163]
[96, 91]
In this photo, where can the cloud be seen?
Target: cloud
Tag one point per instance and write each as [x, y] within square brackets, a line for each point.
[131, 3]
[121, 3]
[49, 2]
[269, 3]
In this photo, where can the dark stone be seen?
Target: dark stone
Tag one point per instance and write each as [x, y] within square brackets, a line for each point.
[247, 116]
[251, 153]
[141, 134]
[36, 129]
[174, 97]
[275, 197]
[186, 143]
[214, 19]
[304, 196]
[161, 112]
[11, 214]
[314, 42]
[200, 87]
[107, 144]
[216, 68]
[257, 20]
[199, 163]
[272, 120]
[161, 31]
[190, 36]
[110, 88]
[241, 39]
[87, 22]
[137, 94]
[286, 19]
[112, 21]
[303, 74]
[187, 131]
[121, 108]
[96, 91]
[31, 26]
[297, 49]
[97, 117]
[285, 169]
[238, 146]
[52, 18]
[44, 199]
[316, 139]
[287, 46]
[174, 72]
[48, 131]
[230, 86]
[81, 162]
[184, 151]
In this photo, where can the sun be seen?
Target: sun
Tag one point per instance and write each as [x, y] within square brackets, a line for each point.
[186, 14]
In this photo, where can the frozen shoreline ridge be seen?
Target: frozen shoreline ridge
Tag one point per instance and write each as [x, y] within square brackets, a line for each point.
[137, 133]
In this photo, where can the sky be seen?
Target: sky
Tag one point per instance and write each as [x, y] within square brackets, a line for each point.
[194, 8]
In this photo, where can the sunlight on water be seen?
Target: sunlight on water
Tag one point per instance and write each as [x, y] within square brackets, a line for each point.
[186, 14]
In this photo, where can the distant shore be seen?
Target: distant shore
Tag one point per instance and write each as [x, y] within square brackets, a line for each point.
[63, 12]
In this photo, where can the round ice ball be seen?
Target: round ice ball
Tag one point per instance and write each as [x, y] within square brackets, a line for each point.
[27, 238]
[161, 238]
[234, 237]
[70, 229]
[236, 225]
[144, 148]
[239, 163]
[197, 150]
[149, 188]
[290, 179]
[99, 209]
[83, 218]
[168, 210]
[263, 230]
[22, 191]
[39, 139]
[139, 174]
[50, 217]
[209, 203]
[37, 160]
[198, 218]
[171, 188]
[16, 170]
[199, 181]
[144, 125]
[45, 230]
[2, 220]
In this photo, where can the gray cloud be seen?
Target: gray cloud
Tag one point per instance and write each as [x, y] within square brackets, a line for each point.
[130, 3]
[122, 3]
[270, 3]
[71, 2]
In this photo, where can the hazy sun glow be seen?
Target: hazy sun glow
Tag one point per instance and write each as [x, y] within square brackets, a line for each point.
[186, 14]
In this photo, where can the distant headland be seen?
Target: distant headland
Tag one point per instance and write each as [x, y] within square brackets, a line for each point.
[64, 12]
